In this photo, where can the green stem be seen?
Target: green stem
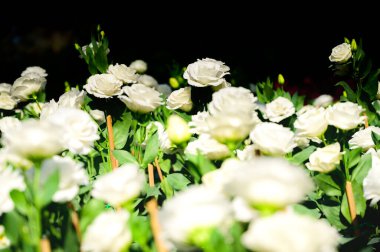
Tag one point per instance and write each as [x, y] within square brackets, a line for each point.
[37, 213]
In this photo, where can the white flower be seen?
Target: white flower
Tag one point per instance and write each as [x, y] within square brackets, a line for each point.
[72, 99]
[8, 157]
[273, 139]
[269, 183]
[208, 147]
[119, 186]
[311, 124]
[371, 183]
[279, 109]
[164, 89]
[341, 53]
[123, 73]
[139, 65]
[178, 130]
[108, 232]
[363, 138]
[34, 71]
[289, 232]
[4, 241]
[9, 180]
[323, 100]
[248, 153]
[180, 99]
[140, 98]
[103, 85]
[304, 109]
[302, 142]
[8, 122]
[195, 209]
[7, 102]
[5, 88]
[165, 144]
[27, 85]
[242, 211]
[98, 115]
[206, 72]
[71, 176]
[49, 109]
[198, 123]
[80, 131]
[148, 81]
[325, 159]
[345, 115]
[34, 139]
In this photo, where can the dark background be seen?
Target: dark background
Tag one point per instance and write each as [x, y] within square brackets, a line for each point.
[256, 42]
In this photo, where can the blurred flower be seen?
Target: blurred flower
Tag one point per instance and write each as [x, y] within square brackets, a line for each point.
[26, 86]
[363, 138]
[103, 85]
[49, 109]
[148, 81]
[178, 130]
[139, 65]
[312, 124]
[7, 102]
[108, 232]
[8, 123]
[279, 109]
[323, 100]
[4, 241]
[140, 98]
[208, 147]
[165, 144]
[5, 88]
[198, 124]
[98, 115]
[341, 53]
[164, 89]
[345, 115]
[9, 180]
[325, 159]
[72, 99]
[8, 157]
[248, 153]
[34, 72]
[180, 99]
[122, 72]
[371, 183]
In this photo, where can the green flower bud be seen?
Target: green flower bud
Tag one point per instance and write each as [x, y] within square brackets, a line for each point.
[173, 82]
[281, 79]
[178, 130]
[354, 46]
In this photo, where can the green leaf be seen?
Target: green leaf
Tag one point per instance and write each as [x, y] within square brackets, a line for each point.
[301, 209]
[375, 139]
[141, 231]
[361, 170]
[152, 191]
[351, 95]
[165, 165]
[89, 212]
[166, 188]
[124, 157]
[371, 85]
[151, 150]
[326, 183]
[201, 163]
[332, 213]
[351, 157]
[50, 187]
[360, 202]
[71, 242]
[302, 156]
[20, 201]
[121, 130]
[177, 181]
[14, 223]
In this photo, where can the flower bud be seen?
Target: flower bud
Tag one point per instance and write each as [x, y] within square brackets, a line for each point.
[354, 46]
[281, 79]
[178, 130]
[173, 82]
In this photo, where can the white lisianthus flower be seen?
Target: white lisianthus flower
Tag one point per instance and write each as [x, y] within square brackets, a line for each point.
[165, 144]
[323, 100]
[341, 53]
[9, 123]
[304, 109]
[34, 139]
[4, 241]
[8, 157]
[80, 131]
[242, 211]
[26, 86]
[265, 136]
[71, 176]
[139, 65]
[302, 142]
[122, 72]
[98, 115]
[5, 88]
[198, 124]
[287, 231]
[363, 138]
[34, 71]
[279, 109]
[371, 183]
[325, 159]
[7, 102]
[269, 183]
[119, 186]
[164, 89]
[49, 109]
[248, 153]
[178, 130]
[209, 147]
[191, 212]
[148, 81]
[108, 232]
[140, 98]
[103, 86]
[345, 115]
[9, 180]
[206, 72]
[72, 99]
[311, 124]
[180, 99]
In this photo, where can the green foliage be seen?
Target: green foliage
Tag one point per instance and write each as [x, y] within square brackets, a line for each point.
[151, 150]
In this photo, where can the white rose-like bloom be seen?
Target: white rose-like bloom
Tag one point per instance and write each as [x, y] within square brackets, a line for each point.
[325, 159]
[140, 98]
[8, 157]
[103, 85]
[290, 232]
[363, 138]
[323, 100]
[148, 81]
[27, 85]
[273, 139]
[279, 109]
[98, 115]
[49, 109]
[9, 180]
[345, 115]
[206, 72]
[9, 122]
[371, 183]
[7, 102]
[192, 210]
[108, 232]
[198, 124]
[34, 71]
[248, 153]
[341, 53]
[34, 139]
[164, 89]
[139, 65]
[123, 73]
[80, 131]
[72, 99]
[119, 186]
[5, 88]
[311, 124]
[71, 176]
[269, 182]
[165, 144]
[209, 147]
[4, 241]
[180, 99]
